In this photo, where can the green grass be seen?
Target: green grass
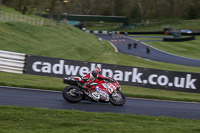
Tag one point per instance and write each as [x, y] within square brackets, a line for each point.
[55, 41]
[9, 10]
[40, 120]
[12, 11]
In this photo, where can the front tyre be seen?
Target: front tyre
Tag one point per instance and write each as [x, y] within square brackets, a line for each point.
[70, 94]
[117, 98]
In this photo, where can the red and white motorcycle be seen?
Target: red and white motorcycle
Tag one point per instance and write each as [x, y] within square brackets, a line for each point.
[99, 91]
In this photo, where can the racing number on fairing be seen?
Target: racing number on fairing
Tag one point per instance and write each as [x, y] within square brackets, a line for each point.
[110, 87]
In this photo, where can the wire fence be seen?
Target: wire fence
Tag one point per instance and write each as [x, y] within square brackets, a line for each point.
[13, 17]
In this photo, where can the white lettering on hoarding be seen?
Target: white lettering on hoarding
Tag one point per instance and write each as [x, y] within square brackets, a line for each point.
[179, 82]
[162, 80]
[151, 79]
[35, 66]
[136, 77]
[58, 68]
[46, 68]
[127, 76]
[107, 72]
[190, 82]
[119, 75]
[83, 71]
[71, 70]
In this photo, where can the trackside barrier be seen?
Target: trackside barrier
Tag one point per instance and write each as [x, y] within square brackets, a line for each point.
[138, 32]
[101, 32]
[125, 75]
[12, 62]
[104, 32]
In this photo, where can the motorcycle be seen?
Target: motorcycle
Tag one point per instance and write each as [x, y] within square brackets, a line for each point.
[99, 91]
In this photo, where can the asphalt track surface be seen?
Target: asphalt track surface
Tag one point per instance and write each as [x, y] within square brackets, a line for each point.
[121, 43]
[54, 100]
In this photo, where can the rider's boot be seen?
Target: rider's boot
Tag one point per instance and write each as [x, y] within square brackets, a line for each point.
[85, 90]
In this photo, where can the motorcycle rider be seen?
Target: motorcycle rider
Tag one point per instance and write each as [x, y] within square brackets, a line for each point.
[91, 77]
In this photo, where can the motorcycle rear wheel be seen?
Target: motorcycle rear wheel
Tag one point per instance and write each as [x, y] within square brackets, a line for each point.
[117, 99]
[70, 95]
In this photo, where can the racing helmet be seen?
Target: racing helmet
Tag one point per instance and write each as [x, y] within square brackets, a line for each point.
[97, 70]
[94, 74]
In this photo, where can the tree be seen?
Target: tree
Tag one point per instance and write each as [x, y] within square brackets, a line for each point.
[137, 9]
[140, 5]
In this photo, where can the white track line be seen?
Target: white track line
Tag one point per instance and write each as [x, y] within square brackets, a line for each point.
[164, 51]
[116, 50]
[162, 100]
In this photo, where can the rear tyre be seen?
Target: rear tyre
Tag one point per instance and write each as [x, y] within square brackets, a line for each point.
[70, 95]
[117, 98]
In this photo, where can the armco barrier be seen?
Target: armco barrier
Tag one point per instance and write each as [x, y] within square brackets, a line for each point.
[125, 75]
[12, 62]
[117, 32]
[144, 32]
[101, 32]
[138, 32]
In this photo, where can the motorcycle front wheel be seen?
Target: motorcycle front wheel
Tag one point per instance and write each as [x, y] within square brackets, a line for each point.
[70, 94]
[117, 98]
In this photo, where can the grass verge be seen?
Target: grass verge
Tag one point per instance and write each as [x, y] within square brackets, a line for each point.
[40, 120]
